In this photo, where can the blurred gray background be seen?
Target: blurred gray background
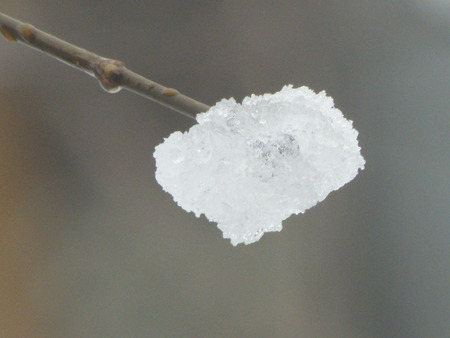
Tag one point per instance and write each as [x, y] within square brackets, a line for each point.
[90, 245]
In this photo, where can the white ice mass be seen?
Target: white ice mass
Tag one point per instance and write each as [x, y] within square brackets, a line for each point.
[250, 166]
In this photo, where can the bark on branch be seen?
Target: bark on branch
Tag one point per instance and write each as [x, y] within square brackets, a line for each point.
[111, 74]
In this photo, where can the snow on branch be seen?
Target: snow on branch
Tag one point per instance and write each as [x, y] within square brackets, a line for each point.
[250, 166]
[245, 166]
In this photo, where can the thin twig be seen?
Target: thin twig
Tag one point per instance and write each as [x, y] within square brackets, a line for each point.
[111, 74]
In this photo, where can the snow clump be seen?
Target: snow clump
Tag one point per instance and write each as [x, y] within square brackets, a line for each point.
[250, 166]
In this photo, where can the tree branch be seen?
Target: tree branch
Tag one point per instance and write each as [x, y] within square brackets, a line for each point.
[111, 74]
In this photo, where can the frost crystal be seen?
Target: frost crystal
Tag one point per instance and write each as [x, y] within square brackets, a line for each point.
[249, 166]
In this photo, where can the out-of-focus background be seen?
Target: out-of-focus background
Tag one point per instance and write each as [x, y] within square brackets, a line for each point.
[90, 245]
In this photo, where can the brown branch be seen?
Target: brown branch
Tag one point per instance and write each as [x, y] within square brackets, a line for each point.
[111, 74]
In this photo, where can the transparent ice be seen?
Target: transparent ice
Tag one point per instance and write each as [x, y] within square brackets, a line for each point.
[250, 166]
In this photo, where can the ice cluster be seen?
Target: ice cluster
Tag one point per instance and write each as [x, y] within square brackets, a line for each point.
[249, 166]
